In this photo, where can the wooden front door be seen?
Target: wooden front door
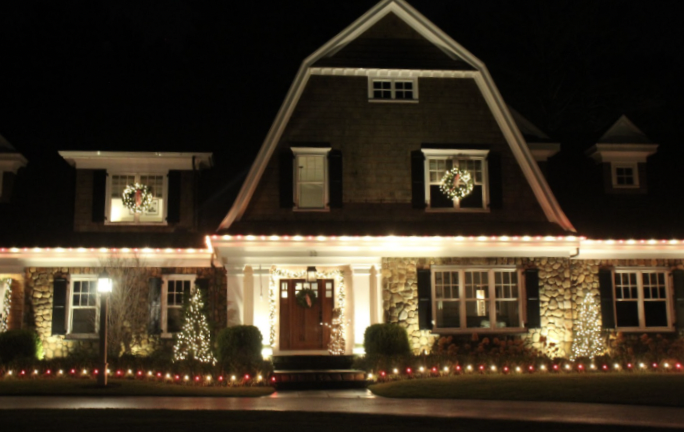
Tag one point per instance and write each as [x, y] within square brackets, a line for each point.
[301, 328]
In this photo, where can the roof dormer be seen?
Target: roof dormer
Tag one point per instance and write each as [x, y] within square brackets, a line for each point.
[126, 190]
[10, 162]
[623, 151]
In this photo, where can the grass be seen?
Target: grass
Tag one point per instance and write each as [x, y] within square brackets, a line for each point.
[173, 421]
[633, 389]
[88, 387]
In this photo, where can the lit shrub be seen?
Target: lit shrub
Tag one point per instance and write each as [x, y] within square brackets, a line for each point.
[386, 340]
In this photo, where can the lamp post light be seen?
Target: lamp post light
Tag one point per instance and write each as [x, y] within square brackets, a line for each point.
[104, 287]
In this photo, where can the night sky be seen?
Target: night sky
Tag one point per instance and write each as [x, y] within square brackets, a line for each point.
[179, 75]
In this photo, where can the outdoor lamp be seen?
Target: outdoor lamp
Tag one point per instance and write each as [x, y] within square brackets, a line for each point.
[311, 274]
[104, 283]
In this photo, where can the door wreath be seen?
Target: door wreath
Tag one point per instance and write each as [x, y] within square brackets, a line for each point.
[306, 298]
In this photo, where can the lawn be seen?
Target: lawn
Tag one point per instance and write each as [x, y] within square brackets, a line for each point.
[87, 387]
[635, 389]
[176, 421]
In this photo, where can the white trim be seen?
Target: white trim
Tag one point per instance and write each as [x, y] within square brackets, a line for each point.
[543, 151]
[451, 48]
[164, 300]
[637, 153]
[392, 73]
[69, 315]
[137, 161]
[11, 162]
[635, 174]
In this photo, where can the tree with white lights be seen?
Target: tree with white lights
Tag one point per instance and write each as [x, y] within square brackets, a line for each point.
[194, 339]
[587, 341]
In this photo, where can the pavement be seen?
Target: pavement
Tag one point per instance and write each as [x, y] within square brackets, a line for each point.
[364, 402]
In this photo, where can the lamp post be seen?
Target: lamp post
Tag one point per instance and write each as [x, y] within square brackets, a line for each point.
[104, 287]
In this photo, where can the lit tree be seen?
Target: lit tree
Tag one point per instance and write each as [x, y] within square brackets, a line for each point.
[587, 341]
[194, 339]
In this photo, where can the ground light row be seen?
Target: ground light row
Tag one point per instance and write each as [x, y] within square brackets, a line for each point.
[130, 374]
[458, 369]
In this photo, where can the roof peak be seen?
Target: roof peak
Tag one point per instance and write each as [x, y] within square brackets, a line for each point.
[623, 131]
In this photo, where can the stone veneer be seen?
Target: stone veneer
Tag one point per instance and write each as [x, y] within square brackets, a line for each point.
[563, 283]
[38, 308]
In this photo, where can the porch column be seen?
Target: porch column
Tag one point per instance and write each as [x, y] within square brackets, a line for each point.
[236, 295]
[362, 302]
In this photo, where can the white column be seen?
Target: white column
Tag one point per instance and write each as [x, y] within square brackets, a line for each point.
[361, 302]
[236, 292]
[261, 300]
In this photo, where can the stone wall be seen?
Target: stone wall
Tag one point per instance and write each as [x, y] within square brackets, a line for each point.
[38, 308]
[563, 284]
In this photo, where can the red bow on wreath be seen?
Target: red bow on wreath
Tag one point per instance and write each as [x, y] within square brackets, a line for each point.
[138, 198]
[454, 183]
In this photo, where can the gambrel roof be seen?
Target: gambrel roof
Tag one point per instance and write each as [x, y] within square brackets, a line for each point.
[462, 64]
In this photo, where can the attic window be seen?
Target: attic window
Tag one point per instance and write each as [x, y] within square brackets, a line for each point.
[117, 211]
[399, 90]
[625, 175]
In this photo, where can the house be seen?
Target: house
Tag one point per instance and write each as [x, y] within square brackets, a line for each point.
[394, 185]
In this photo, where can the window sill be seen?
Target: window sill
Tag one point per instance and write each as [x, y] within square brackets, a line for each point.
[309, 210]
[394, 101]
[480, 330]
[455, 210]
[107, 223]
[644, 329]
[86, 337]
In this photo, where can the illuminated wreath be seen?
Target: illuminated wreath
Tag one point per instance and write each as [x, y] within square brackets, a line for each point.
[456, 184]
[137, 198]
[306, 298]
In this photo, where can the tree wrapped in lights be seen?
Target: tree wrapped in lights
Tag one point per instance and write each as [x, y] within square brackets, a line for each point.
[587, 341]
[337, 343]
[5, 300]
[194, 339]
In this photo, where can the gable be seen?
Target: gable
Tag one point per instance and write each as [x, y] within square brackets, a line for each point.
[480, 75]
[392, 44]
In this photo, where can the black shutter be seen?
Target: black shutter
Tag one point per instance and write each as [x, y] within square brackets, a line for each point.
[174, 198]
[424, 299]
[606, 289]
[99, 192]
[7, 186]
[154, 324]
[495, 181]
[286, 179]
[59, 299]
[678, 281]
[532, 291]
[418, 179]
[335, 178]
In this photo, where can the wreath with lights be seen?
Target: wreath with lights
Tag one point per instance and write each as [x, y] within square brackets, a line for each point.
[137, 198]
[306, 298]
[456, 184]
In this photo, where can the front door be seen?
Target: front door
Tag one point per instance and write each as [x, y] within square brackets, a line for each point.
[303, 327]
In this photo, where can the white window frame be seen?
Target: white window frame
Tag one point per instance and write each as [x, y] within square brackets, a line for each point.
[669, 293]
[164, 300]
[108, 197]
[432, 154]
[393, 89]
[463, 329]
[70, 298]
[311, 151]
[635, 174]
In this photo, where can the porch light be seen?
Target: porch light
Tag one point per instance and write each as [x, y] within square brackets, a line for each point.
[311, 274]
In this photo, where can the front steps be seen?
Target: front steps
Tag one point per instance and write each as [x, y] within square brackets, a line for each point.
[316, 372]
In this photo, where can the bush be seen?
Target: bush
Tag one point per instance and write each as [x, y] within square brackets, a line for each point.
[20, 344]
[386, 340]
[239, 349]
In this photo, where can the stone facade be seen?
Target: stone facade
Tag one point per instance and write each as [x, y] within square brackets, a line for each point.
[563, 284]
[39, 297]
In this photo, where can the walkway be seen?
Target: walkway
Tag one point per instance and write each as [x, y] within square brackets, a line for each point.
[362, 402]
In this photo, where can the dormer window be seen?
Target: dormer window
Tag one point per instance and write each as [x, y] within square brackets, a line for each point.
[625, 175]
[439, 162]
[117, 210]
[311, 177]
